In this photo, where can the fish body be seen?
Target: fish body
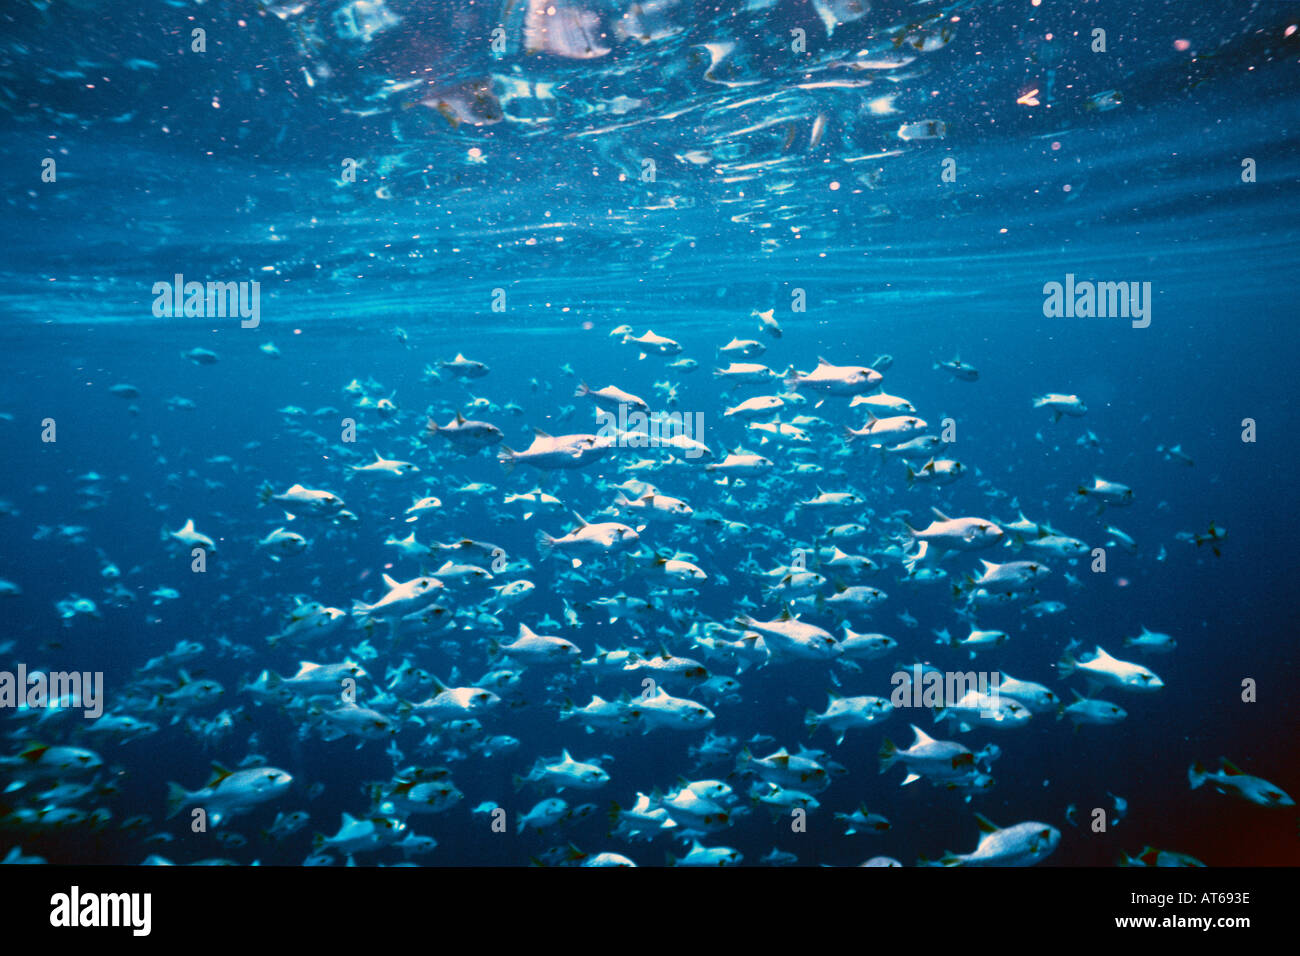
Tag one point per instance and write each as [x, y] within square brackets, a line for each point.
[230, 792]
[1231, 779]
[1021, 845]
[1111, 672]
[837, 379]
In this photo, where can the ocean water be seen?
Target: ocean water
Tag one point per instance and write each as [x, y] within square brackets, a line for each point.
[405, 185]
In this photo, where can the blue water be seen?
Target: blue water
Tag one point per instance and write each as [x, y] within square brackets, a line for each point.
[226, 165]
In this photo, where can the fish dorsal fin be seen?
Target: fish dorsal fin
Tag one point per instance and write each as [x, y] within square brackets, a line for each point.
[988, 565]
[460, 419]
[1077, 696]
[348, 820]
[582, 522]
[822, 361]
[293, 488]
[390, 582]
[219, 773]
[921, 736]
[937, 513]
[1100, 655]
[541, 434]
[785, 612]
[1230, 768]
[985, 824]
[564, 756]
[305, 667]
[459, 357]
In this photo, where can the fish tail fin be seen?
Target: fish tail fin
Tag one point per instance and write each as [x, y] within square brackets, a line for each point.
[1196, 774]
[506, 457]
[888, 755]
[812, 720]
[545, 544]
[176, 797]
[264, 493]
[1066, 664]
